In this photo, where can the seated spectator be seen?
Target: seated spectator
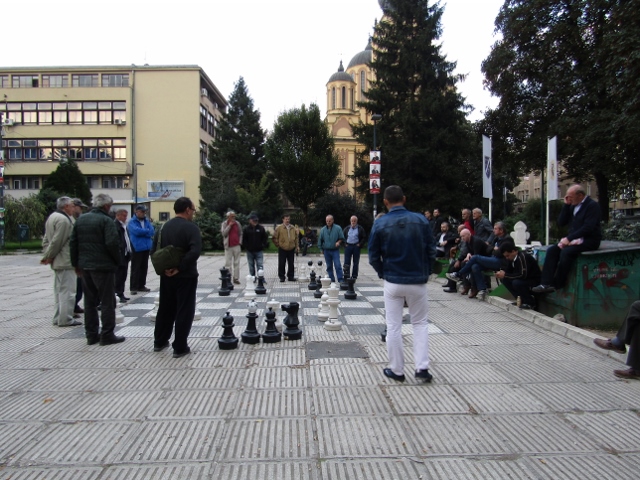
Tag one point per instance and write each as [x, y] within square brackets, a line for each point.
[521, 274]
[481, 225]
[444, 241]
[628, 334]
[467, 220]
[469, 245]
[490, 259]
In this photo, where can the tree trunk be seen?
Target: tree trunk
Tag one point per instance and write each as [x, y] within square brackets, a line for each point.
[603, 195]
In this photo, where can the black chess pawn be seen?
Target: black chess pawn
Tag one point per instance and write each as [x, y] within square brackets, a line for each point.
[224, 287]
[229, 282]
[271, 333]
[260, 288]
[228, 341]
[251, 335]
[318, 293]
[346, 269]
[312, 284]
[291, 321]
[351, 294]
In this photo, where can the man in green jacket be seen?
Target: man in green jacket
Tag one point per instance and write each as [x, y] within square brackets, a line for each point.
[95, 254]
[329, 241]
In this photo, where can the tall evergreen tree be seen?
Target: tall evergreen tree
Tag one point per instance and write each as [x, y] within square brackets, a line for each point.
[568, 68]
[300, 153]
[68, 180]
[427, 144]
[236, 158]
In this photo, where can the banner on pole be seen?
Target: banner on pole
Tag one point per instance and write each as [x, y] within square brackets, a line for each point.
[487, 191]
[552, 169]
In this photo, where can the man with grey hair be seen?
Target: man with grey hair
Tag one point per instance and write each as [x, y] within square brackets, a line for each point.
[95, 253]
[481, 225]
[57, 253]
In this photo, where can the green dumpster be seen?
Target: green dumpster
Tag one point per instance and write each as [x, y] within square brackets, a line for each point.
[601, 286]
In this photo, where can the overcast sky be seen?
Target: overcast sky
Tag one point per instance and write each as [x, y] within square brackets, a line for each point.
[286, 50]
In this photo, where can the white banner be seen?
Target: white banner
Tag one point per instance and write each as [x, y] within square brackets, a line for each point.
[487, 191]
[165, 190]
[552, 169]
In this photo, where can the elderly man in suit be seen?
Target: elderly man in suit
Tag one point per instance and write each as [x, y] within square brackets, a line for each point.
[583, 216]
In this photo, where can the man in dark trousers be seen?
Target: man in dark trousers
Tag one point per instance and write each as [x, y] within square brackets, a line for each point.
[583, 216]
[355, 237]
[125, 253]
[520, 274]
[629, 334]
[141, 235]
[95, 254]
[472, 246]
[254, 241]
[178, 285]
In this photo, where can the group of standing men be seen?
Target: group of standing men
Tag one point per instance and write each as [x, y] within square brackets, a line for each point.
[97, 249]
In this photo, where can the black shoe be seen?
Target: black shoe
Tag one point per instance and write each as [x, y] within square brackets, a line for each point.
[78, 309]
[157, 348]
[282, 279]
[72, 324]
[123, 299]
[543, 289]
[144, 289]
[133, 292]
[390, 374]
[181, 354]
[110, 340]
[93, 340]
[424, 375]
[449, 290]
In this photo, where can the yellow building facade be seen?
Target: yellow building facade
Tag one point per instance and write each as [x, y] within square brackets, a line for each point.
[345, 89]
[139, 133]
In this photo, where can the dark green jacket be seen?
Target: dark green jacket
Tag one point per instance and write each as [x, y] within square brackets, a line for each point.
[94, 242]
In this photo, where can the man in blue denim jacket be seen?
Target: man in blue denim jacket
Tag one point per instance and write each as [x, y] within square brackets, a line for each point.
[402, 250]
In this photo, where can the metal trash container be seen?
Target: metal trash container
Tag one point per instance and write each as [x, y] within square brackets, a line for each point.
[23, 233]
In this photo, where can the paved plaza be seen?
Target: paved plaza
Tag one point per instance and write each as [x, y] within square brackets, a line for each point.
[515, 395]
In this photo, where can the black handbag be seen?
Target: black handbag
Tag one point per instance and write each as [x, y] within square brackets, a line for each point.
[165, 258]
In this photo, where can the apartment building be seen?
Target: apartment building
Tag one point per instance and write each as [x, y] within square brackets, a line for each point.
[138, 133]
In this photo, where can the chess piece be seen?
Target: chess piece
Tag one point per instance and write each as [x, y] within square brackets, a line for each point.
[323, 309]
[260, 288]
[119, 315]
[346, 268]
[303, 274]
[273, 305]
[251, 335]
[350, 294]
[291, 321]
[156, 305]
[312, 284]
[248, 291]
[321, 287]
[333, 323]
[224, 290]
[271, 334]
[228, 341]
[197, 315]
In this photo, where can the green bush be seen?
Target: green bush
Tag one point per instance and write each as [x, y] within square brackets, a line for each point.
[210, 223]
[620, 230]
[25, 211]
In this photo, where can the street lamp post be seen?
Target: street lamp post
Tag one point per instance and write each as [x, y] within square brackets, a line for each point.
[135, 182]
[375, 118]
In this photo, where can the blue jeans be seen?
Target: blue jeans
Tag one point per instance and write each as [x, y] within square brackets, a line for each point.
[476, 265]
[332, 258]
[253, 259]
[352, 251]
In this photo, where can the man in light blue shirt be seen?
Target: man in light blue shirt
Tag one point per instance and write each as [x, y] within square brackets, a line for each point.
[329, 241]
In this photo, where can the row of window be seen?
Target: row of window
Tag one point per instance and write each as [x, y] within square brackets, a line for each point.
[47, 150]
[65, 113]
[62, 80]
[343, 98]
[207, 121]
[33, 183]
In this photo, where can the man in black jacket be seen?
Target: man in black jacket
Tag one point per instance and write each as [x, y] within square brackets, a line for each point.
[472, 246]
[355, 237]
[125, 253]
[254, 241]
[583, 216]
[520, 275]
[178, 285]
[95, 254]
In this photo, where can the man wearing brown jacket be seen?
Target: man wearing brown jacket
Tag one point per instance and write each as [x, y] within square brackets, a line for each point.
[286, 239]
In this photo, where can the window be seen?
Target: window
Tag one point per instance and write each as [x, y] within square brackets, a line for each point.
[104, 149]
[59, 117]
[75, 117]
[352, 99]
[333, 98]
[90, 117]
[88, 80]
[25, 81]
[45, 118]
[117, 80]
[4, 81]
[203, 117]
[55, 81]
[363, 84]
[17, 185]
[92, 182]
[105, 117]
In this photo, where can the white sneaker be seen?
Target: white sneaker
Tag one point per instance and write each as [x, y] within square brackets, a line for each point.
[482, 295]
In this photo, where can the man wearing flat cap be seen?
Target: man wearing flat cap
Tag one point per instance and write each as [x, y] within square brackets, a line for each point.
[232, 238]
[141, 236]
[254, 241]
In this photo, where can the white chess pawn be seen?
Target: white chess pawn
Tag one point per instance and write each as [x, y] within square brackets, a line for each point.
[323, 313]
[249, 288]
[333, 323]
[156, 305]
[119, 315]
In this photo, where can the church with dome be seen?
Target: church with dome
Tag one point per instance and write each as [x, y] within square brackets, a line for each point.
[345, 89]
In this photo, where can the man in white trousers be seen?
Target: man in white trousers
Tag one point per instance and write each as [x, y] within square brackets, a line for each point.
[402, 250]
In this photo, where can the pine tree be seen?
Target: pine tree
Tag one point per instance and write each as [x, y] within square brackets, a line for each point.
[236, 157]
[427, 145]
[68, 180]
